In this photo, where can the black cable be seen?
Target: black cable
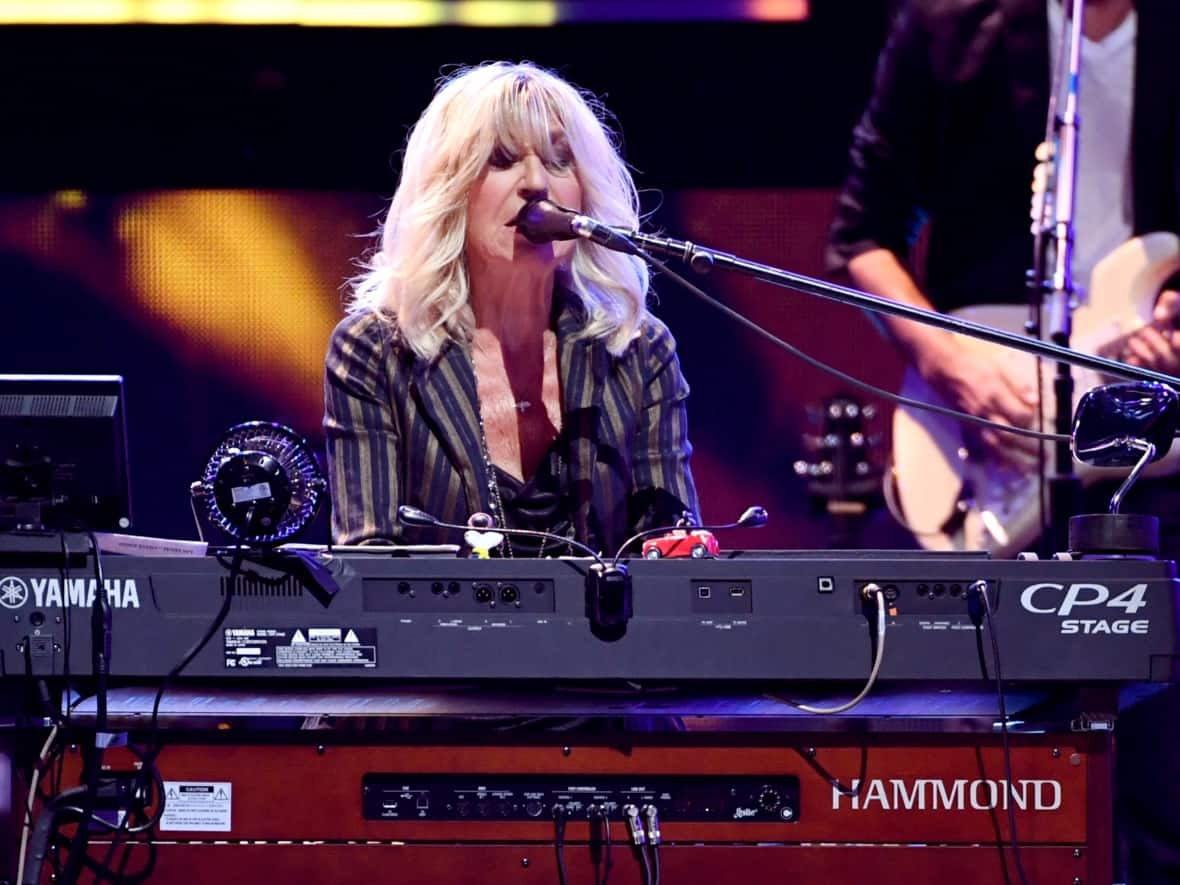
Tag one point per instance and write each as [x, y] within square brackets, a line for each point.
[66, 629]
[124, 833]
[91, 766]
[100, 637]
[100, 657]
[979, 652]
[235, 570]
[608, 861]
[102, 868]
[858, 788]
[43, 830]
[977, 610]
[559, 841]
[600, 842]
[651, 824]
[980, 589]
[844, 376]
[638, 840]
[594, 818]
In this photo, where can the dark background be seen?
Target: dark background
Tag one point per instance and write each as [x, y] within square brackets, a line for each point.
[737, 132]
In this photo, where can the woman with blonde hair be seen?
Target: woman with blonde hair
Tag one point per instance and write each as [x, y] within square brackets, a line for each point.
[479, 371]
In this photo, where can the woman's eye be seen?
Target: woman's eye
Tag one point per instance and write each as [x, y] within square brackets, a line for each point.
[501, 158]
[560, 159]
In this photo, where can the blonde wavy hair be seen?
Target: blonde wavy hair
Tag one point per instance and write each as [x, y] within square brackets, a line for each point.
[417, 277]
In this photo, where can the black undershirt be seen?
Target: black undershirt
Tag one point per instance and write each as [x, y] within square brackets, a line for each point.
[540, 504]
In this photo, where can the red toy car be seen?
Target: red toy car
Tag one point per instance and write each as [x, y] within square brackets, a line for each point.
[682, 543]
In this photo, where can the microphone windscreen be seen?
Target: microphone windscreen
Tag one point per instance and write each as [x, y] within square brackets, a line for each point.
[413, 516]
[543, 222]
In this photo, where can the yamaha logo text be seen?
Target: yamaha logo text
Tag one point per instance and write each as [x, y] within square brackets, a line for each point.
[55, 593]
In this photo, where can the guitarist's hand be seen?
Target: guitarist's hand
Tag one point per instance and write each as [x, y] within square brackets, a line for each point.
[981, 385]
[1157, 344]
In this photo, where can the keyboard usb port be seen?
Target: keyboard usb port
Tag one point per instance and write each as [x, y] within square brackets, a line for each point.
[722, 597]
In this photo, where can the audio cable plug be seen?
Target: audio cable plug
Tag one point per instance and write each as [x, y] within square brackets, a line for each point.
[651, 821]
[978, 604]
[634, 827]
[871, 593]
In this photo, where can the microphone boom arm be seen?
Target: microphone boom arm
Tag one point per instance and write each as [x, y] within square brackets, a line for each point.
[702, 258]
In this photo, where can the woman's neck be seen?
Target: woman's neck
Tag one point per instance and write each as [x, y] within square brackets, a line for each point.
[515, 310]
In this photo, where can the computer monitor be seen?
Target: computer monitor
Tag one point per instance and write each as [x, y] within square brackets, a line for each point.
[63, 453]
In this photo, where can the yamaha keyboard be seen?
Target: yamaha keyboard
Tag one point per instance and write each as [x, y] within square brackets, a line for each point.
[798, 616]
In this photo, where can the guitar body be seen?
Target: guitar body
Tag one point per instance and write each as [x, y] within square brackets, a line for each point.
[953, 500]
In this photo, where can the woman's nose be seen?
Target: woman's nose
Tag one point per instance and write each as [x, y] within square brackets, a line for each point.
[534, 181]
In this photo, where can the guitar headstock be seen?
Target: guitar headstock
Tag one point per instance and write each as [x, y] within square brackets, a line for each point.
[1040, 211]
[842, 469]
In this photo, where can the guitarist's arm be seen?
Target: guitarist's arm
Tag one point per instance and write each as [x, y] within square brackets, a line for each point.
[970, 379]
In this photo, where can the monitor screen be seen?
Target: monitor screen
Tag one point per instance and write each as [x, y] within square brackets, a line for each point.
[63, 453]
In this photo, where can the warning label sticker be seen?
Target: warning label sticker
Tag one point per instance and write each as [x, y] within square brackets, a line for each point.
[300, 647]
[197, 806]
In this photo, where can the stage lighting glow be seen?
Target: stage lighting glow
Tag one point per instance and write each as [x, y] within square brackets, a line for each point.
[778, 10]
[310, 13]
[391, 13]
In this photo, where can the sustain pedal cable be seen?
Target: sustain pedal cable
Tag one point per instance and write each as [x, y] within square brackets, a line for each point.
[977, 597]
[873, 593]
[559, 820]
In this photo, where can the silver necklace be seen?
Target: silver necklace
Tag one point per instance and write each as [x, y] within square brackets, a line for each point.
[495, 500]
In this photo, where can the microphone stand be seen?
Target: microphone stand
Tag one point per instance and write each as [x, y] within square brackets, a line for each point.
[703, 258]
[1100, 533]
[1057, 219]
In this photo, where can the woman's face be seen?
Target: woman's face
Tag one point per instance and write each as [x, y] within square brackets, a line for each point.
[513, 176]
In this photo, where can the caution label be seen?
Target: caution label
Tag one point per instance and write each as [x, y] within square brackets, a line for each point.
[197, 806]
[300, 647]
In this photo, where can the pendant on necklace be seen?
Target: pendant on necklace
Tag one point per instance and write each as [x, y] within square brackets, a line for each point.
[522, 405]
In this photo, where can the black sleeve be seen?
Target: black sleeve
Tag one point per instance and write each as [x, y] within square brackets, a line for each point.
[881, 204]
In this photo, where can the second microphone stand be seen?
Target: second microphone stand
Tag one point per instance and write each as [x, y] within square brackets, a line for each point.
[1055, 189]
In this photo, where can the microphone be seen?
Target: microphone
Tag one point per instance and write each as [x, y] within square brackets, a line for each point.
[413, 516]
[608, 585]
[542, 221]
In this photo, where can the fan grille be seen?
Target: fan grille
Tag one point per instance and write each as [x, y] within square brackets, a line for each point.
[294, 456]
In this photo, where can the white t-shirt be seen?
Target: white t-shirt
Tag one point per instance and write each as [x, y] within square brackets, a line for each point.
[1102, 212]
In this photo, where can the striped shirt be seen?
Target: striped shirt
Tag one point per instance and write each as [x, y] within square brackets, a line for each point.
[402, 430]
